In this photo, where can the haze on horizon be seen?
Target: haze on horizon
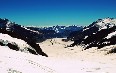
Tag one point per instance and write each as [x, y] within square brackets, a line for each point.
[56, 12]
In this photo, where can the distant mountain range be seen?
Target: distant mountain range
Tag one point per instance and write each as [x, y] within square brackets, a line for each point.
[56, 31]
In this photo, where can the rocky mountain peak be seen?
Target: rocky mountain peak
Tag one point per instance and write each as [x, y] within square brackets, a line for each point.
[104, 23]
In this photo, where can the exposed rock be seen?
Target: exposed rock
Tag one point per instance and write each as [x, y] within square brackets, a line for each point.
[99, 34]
[13, 46]
[20, 32]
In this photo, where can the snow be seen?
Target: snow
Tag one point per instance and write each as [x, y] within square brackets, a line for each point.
[85, 29]
[105, 23]
[31, 30]
[12, 61]
[111, 35]
[5, 38]
[19, 62]
[107, 20]
[85, 37]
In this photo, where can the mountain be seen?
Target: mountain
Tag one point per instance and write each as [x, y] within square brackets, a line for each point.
[93, 28]
[56, 31]
[98, 34]
[13, 30]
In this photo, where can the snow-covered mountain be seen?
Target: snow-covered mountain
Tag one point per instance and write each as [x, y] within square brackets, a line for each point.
[56, 31]
[98, 34]
[93, 28]
[11, 31]
[103, 23]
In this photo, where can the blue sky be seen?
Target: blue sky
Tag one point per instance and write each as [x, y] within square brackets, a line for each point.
[56, 12]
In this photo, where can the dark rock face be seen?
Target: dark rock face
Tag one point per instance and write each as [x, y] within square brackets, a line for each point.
[13, 46]
[95, 35]
[20, 32]
[112, 50]
[32, 51]
[79, 35]
[98, 39]
[111, 41]
[1, 44]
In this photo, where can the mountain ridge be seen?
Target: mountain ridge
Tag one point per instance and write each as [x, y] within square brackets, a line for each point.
[20, 32]
[96, 34]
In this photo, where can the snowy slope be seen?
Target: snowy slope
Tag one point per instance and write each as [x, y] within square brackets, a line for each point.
[22, 45]
[104, 23]
[18, 62]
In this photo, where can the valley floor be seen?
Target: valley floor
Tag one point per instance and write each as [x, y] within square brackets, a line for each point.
[92, 60]
[61, 59]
